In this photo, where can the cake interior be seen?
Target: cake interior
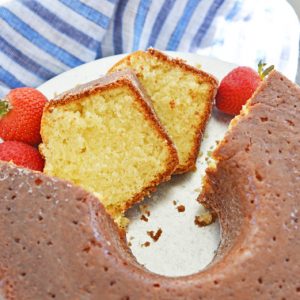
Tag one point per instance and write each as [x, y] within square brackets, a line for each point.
[105, 143]
[181, 99]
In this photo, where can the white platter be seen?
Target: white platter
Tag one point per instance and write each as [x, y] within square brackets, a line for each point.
[183, 247]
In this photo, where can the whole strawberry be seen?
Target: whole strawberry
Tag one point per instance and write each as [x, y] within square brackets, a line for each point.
[238, 86]
[22, 155]
[21, 112]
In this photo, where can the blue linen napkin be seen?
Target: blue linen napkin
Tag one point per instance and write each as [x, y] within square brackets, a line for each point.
[40, 39]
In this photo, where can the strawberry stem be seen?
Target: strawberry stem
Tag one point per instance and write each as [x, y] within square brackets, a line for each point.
[262, 72]
[4, 107]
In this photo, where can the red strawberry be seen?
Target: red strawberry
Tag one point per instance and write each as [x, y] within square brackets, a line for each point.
[21, 112]
[21, 155]
[238, 86]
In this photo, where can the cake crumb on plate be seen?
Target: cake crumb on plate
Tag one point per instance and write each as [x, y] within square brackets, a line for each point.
[155, 236]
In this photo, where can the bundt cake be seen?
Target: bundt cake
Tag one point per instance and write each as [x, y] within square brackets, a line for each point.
[57, 241]
[182, 97]
[105, 137]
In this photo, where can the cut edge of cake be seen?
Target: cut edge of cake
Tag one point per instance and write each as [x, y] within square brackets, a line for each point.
[119, 79]
[190, 165]
[212, 168]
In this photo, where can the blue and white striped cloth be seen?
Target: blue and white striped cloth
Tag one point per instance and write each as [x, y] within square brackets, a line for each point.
[42, 38]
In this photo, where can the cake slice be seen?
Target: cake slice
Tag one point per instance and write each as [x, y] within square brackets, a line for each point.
[105, 137]
[182, 97]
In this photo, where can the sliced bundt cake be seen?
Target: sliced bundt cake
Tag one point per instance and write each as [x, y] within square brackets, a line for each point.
[56, 240]
[105, 137]
[182, 97]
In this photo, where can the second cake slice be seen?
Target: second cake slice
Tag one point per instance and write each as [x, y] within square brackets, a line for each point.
[182, 97]
[105, 137]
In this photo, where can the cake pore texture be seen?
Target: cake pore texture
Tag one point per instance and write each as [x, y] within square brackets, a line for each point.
[105, 137]
[182, 97]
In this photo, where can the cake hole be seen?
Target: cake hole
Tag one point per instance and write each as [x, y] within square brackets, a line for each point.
[38, 181]
[252, 201]
[260, 281]
[52, 295]
[277, 195]
[112, 283]
[40, 218]
[291, 123]
[13, 197]
[24, 248]
[10, 188]
[38, 242]
[280, 286]
[287, 259]
[269, 161]
[83, 150]
[264, 119]
[269, 132]
[247, 148]
[75, 222]
[23, 274]
[216, 282]
[279, 151]
[258, 176]
[8, 208]
[49, 243]
[17, 240]
[274, 238]
[48, 197]
[156, 285]
[298, 289]
[105, 269]
[87, 249]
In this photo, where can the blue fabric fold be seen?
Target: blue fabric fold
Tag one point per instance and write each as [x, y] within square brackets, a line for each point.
[40, 39]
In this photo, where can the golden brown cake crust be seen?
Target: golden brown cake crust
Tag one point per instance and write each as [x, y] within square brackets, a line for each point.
[128, 79]
[191, 163]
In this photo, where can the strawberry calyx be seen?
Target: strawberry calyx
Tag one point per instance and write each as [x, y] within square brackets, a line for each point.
[5, 107]
[262, 71]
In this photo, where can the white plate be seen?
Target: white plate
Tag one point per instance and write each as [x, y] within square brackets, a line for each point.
[183, 247]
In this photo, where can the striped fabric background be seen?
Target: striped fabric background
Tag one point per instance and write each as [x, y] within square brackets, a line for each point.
[42, 38]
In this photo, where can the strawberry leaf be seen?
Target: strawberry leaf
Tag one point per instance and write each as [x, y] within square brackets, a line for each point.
[267, 71]
[4, 107]
[262, 72]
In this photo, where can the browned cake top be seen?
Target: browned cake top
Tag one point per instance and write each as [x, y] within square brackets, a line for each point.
[255, 190]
